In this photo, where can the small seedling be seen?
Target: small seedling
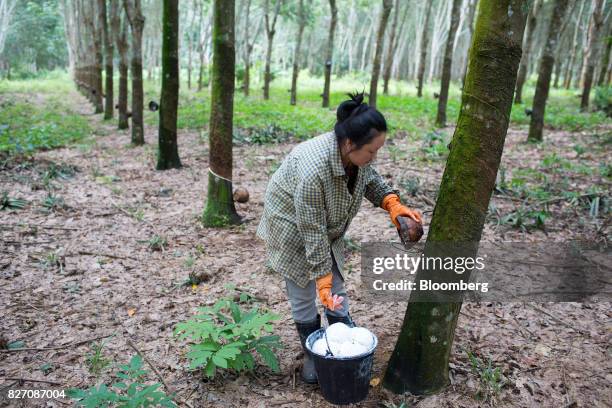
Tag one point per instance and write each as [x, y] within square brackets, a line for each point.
[96, 361]
[138, 214]
[10, 203]
[47, 368]
[189, 261]
[491, 379]
[157, 243]
[53, 202]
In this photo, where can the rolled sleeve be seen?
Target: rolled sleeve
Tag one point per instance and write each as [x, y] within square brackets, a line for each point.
[376, 188]
[311, 223]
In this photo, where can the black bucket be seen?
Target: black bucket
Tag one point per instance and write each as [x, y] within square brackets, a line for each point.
[343, 380]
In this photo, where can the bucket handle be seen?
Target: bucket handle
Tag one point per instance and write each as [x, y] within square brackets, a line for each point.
[325, 335]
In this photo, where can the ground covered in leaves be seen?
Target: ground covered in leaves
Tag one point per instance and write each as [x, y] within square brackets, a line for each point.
[104, 247]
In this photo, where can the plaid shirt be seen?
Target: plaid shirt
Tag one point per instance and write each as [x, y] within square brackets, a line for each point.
[308, 208]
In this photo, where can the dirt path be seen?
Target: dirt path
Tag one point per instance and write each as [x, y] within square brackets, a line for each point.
[86, 270]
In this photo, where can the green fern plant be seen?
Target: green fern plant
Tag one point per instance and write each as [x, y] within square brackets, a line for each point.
[130, 391]
[224, 336]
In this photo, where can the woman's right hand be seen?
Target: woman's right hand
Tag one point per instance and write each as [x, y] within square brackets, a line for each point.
[324, 286]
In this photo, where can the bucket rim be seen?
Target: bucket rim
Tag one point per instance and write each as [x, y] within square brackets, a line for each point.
[355, 357]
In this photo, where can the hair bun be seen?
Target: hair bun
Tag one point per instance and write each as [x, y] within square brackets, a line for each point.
[351, 107]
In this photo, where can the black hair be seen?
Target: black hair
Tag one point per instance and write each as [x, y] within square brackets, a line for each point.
[357, 121]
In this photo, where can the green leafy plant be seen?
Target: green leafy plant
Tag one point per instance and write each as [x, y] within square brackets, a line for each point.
[11, 203]
[53, 202]
[525, 219]
[224, 336]
[603, 100]
[130, 391]
[491, 379]
[156, 243]
[96, 361]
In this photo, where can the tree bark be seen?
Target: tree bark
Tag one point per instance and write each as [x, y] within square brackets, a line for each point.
[168, 157]
[569, 69]
[527, 44]
[380, 45]
[119, 29]
[545, 72]
[108, 60]
[424, 46]
[470, 24]
[392, 47]
[270, 31]
[94, 68]
[220, 208]
[448, 62]
[329, 52]
[605, 61]
[190, 44]
[133, 11]
[419, 362]
[591, 52]
[296, 56]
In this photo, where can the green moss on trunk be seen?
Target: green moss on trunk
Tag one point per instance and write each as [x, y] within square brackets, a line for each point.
[220, 210]
[419, 362]
[168, 157]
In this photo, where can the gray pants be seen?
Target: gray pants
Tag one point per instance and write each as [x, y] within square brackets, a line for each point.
[303, 300]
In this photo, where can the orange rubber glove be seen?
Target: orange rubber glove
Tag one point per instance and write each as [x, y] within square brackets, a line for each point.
[391, 203]
[324, 286]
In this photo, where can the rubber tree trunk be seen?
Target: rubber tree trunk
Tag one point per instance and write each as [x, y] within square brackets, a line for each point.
[296, 55]
[448, 63]
[470, 25]
[524, 67]
[108, 62]
[137, 21]
[99, 58]
[591, 53]
[270, 31]
[392, 46]
[547, 62]
[424, 46]
[167, 156]
[248, 48]
[380, 45]
[119, 30]
[419, 362]
[329, 52]
[220, 208]
[569, 69]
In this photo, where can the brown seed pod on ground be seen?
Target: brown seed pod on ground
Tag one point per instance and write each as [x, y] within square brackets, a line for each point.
[241, 195]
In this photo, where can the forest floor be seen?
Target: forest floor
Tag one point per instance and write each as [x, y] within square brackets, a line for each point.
[79, 262]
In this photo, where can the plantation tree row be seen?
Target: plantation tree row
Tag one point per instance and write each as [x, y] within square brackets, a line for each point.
[338, 37]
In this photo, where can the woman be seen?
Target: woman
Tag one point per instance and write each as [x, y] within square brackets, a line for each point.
[309, 204]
